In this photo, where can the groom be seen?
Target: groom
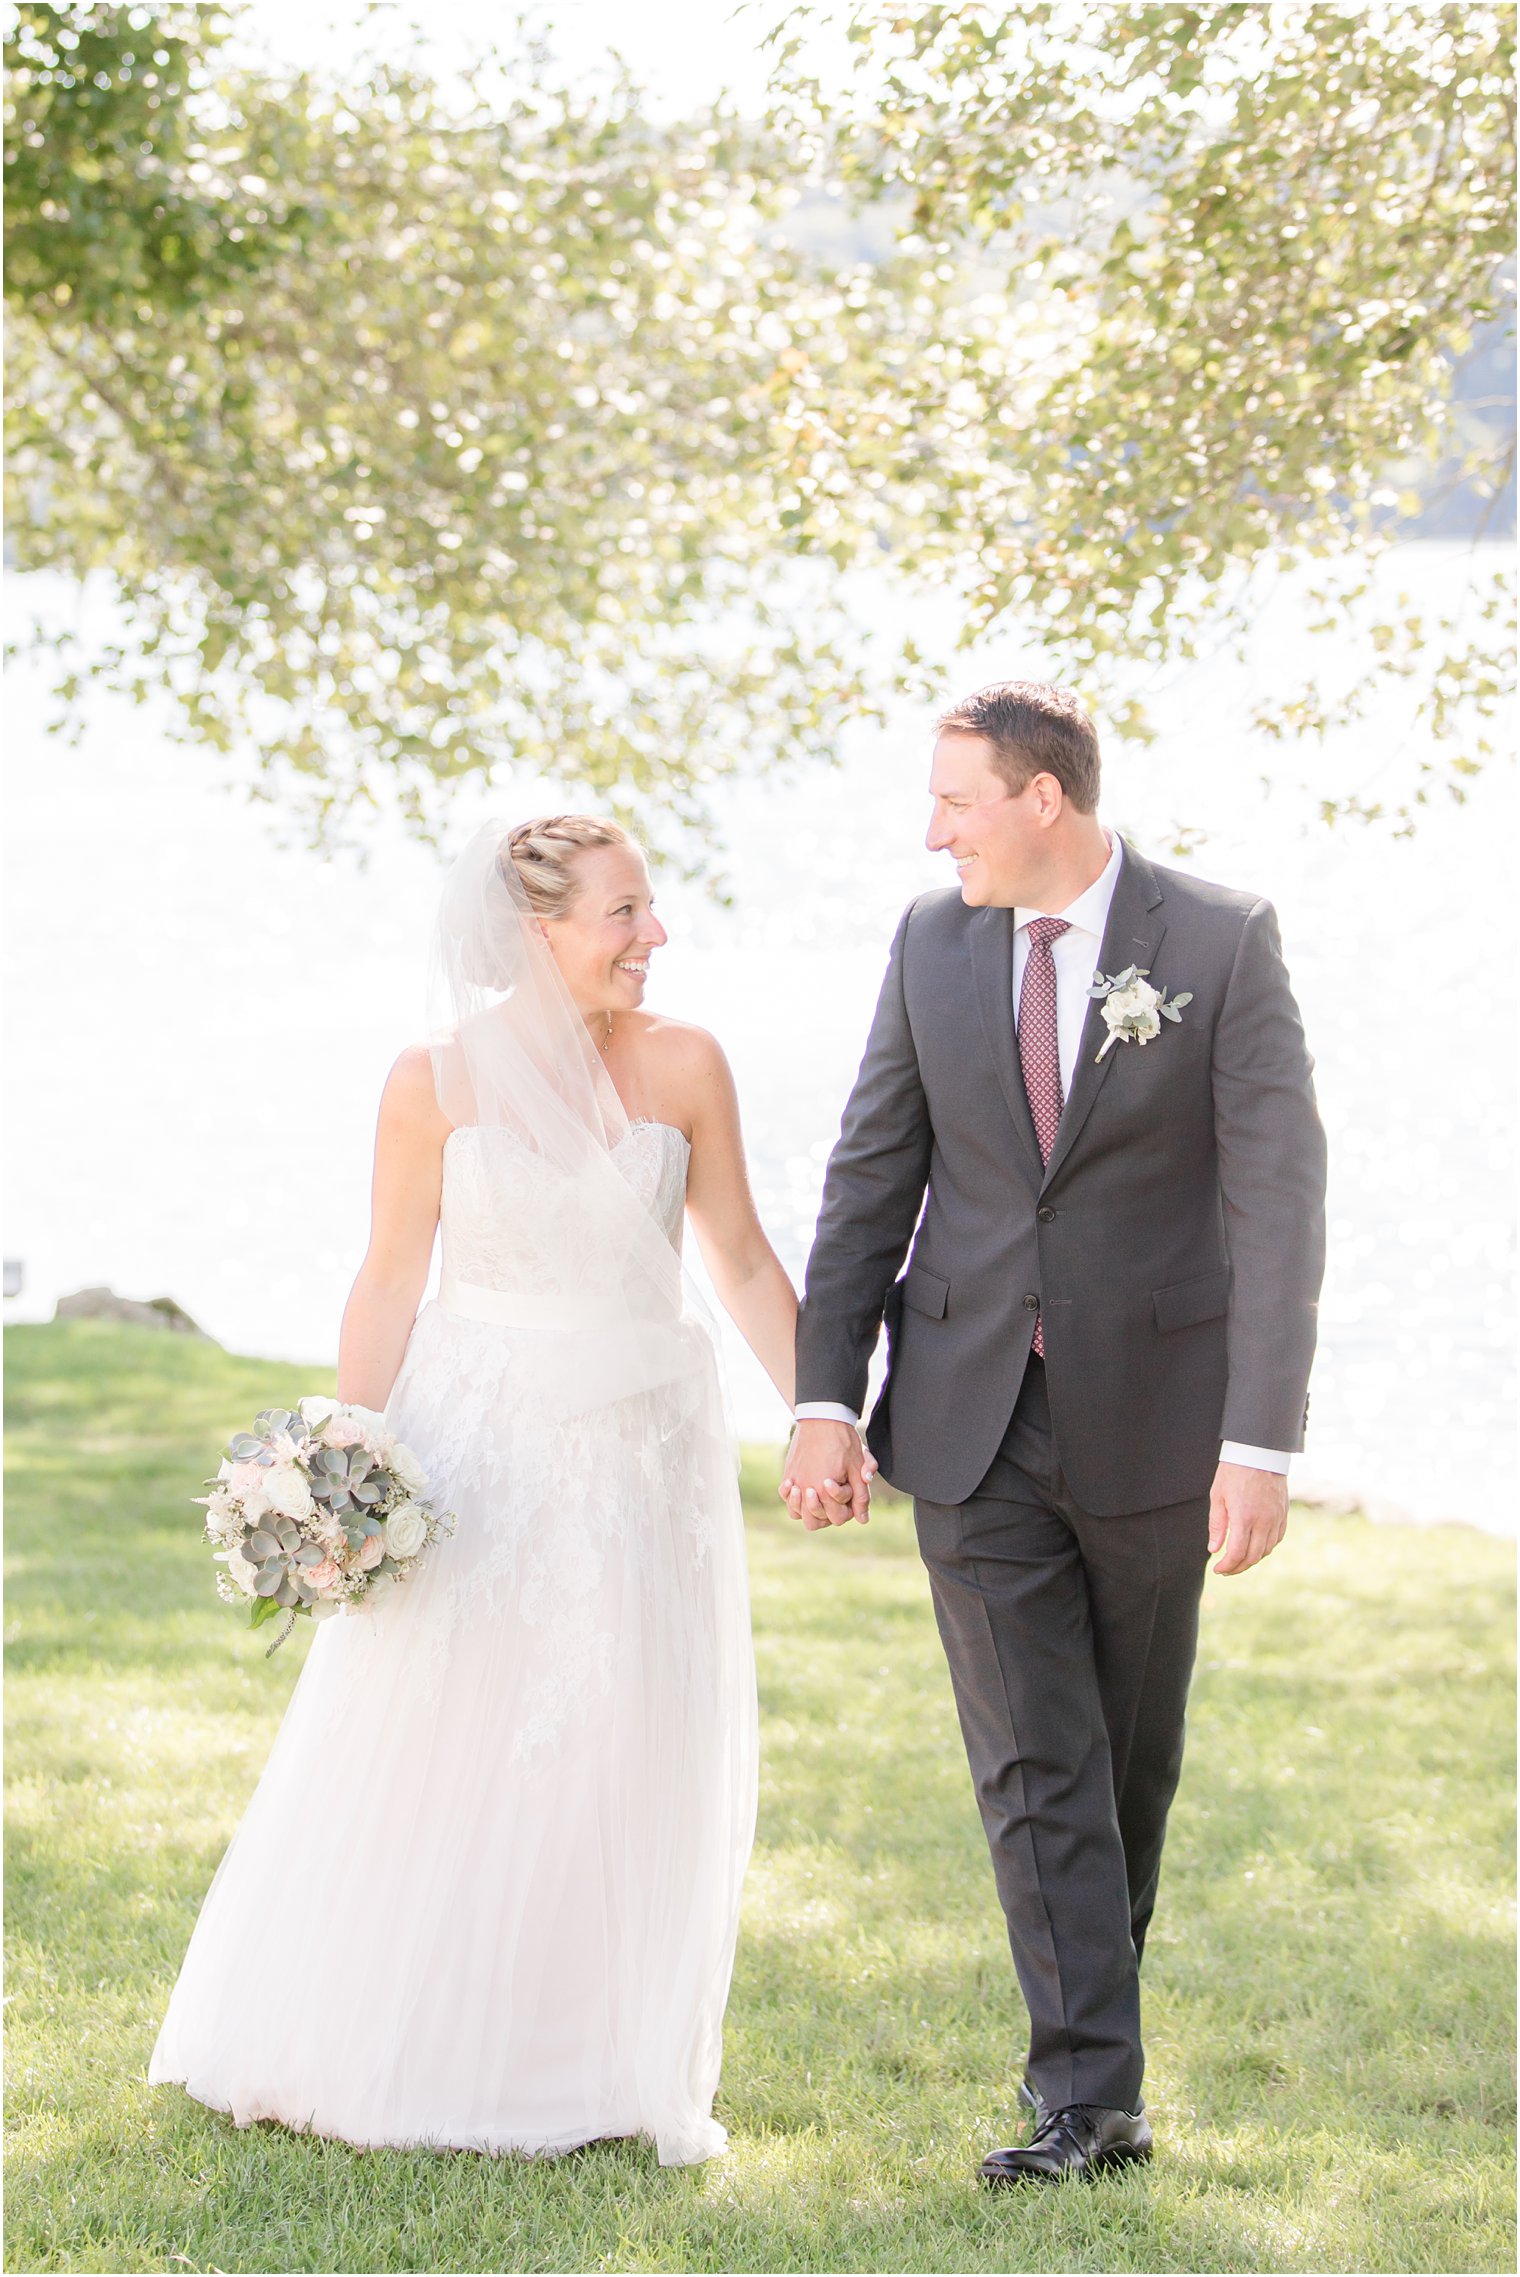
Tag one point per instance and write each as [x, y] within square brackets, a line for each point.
[1099, 1352]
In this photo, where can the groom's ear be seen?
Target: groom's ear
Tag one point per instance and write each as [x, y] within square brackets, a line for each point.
[1047, 798]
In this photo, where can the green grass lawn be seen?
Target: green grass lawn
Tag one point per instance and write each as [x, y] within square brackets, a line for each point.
[1328, 1981]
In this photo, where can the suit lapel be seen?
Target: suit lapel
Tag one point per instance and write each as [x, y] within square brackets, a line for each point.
[992, 967]
[1132, 936]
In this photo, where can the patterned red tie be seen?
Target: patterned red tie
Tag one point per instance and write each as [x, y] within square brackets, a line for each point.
[1040, 1048]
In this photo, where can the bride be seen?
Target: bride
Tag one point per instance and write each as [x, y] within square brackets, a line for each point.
[487, 1890]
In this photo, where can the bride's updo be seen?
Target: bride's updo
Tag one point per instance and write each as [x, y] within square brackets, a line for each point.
[543, 853]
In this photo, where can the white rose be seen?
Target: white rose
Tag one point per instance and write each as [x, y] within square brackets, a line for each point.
[377, 1437]
[405, 1531]
[407, 1470]
[243, 1571]
[286, 1490]
[1125, 1003]
[1145, 1025]
[316, 1410]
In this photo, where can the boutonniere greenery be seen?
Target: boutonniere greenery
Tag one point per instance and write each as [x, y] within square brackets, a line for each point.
[1133, 1009]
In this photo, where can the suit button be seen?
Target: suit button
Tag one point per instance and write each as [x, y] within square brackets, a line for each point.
[1031, 1304]
[1046, 1217]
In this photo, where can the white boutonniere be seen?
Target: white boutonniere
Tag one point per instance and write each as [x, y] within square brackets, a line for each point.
[1133, 1009]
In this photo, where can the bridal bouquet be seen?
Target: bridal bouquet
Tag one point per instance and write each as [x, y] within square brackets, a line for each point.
[315, 1510]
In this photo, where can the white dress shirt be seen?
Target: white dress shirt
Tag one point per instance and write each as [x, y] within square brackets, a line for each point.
[1075, 954]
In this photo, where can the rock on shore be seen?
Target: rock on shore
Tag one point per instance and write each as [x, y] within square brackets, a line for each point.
[105, 1304]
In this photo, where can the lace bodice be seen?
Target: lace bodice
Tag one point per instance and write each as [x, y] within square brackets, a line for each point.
[512, 1222]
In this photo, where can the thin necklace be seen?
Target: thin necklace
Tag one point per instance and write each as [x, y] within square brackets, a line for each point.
[607, 1039]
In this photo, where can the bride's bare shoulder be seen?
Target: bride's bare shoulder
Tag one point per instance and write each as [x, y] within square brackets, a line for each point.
[687, 1079]
[409, 1103]
[678, 1046]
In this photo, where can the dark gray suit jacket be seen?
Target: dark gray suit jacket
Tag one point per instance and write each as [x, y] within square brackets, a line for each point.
[1174, 1243]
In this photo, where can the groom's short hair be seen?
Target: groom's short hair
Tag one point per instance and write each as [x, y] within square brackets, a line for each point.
[1034, 729]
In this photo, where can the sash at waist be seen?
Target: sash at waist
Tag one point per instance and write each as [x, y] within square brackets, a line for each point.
[529, 1308]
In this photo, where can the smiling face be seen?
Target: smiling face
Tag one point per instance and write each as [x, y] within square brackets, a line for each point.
[999, 839]
[603, 943]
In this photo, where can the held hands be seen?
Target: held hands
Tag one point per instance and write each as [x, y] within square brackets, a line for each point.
[826, 1479]
[1248, 1516]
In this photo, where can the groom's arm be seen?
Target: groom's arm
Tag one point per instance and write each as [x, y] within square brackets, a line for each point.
[1271, 1151]
[872, 1194]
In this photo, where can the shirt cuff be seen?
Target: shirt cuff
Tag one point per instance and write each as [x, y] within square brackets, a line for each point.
[819, 1410]
[1255, 1458]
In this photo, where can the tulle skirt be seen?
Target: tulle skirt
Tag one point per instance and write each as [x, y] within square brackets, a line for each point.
[486, 1892]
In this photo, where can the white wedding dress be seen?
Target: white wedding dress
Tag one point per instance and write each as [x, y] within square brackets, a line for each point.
[487, 1890]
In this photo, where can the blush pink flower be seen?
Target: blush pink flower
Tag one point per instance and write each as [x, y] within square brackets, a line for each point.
[371, 1551]
[245, 1478]
[322, 1577]
[343, 1432]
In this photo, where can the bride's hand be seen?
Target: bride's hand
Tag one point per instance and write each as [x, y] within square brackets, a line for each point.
[826, 1479]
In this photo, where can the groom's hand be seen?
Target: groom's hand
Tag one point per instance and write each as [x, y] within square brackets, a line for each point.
[826, 1478]
[1248, 1516]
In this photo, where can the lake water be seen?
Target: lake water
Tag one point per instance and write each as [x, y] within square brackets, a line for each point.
[201, 1017]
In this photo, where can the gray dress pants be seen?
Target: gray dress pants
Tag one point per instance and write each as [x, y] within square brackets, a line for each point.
[1070, 1640]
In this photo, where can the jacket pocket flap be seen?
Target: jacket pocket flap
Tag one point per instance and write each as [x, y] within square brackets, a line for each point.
[1186, 1303]
[926, 1292]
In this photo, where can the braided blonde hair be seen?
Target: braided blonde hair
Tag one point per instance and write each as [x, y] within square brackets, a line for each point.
[543, 853]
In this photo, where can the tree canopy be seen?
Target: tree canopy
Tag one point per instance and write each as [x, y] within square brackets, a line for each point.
[1220, 264]
[415, 432]
[419, 430]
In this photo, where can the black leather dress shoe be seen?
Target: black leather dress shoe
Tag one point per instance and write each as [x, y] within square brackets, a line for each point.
[1083, 2140]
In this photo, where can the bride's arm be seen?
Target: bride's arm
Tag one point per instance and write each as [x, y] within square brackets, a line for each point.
[408, 1181]
[746, 1272]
